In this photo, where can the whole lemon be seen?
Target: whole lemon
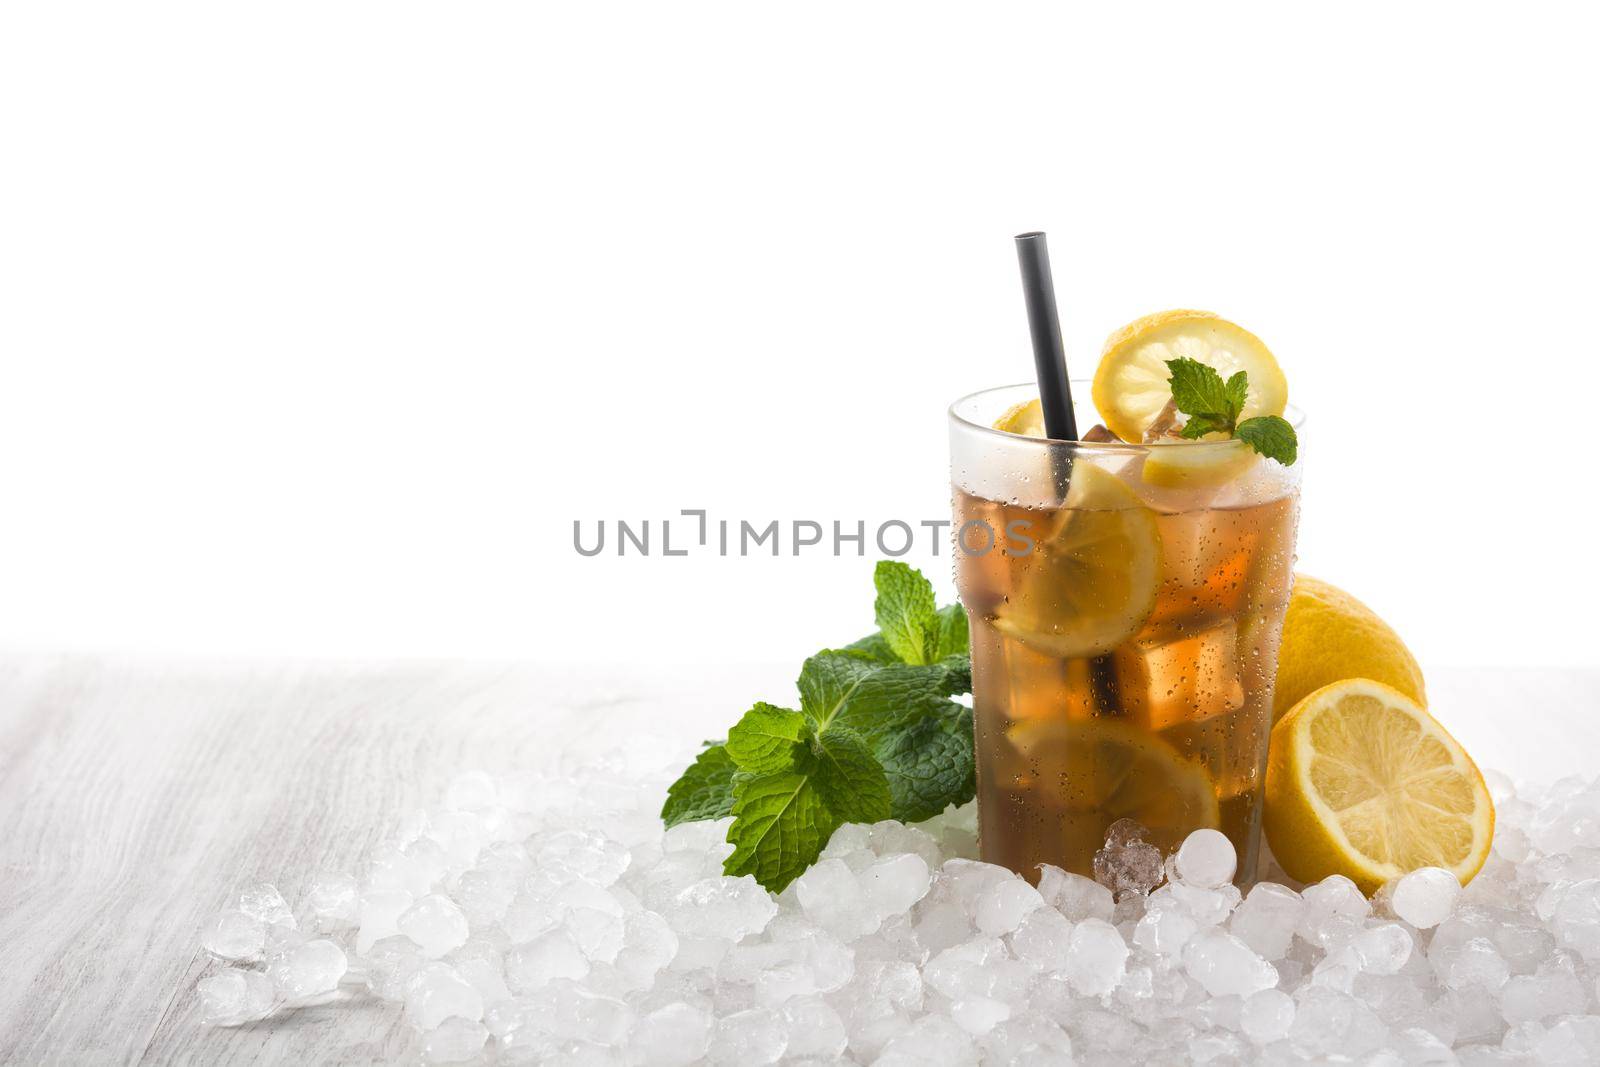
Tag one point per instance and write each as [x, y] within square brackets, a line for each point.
[1328, 636]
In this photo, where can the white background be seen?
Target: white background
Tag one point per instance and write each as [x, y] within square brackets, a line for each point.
[321, 323]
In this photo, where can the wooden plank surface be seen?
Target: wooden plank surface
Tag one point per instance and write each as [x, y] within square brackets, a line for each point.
[138, 797]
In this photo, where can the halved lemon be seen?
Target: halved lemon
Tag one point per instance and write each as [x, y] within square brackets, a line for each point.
[1130, 385]
[1362, 782]
[1089, 581]
[1094, 771]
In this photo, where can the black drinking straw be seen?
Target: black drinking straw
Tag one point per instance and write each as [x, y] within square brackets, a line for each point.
[1049, 360]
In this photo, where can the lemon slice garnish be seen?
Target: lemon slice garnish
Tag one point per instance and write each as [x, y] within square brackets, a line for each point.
[1362, 782]
[1130, 385]
[1089, 582]
[1098, 770]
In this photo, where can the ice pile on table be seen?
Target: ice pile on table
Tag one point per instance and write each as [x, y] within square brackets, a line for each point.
[550, 918]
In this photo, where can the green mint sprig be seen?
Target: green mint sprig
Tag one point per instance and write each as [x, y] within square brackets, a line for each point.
[876, 737]
[1213, 406]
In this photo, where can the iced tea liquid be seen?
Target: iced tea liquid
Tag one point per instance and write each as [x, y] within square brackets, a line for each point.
[1164, 720]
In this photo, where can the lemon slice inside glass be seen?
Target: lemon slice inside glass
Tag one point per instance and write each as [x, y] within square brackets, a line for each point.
[1089, 581]
[1361, 781]
[1130, 385]
[1201, 465]
[1026, 418]
[1100, 770]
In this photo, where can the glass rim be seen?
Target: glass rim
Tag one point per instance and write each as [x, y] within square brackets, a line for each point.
[1295, 416]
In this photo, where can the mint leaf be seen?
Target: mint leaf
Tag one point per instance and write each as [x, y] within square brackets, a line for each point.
[874, 648]
[828, 682]
[929, 766]
[922, 739]
[871, 698]
[1199, 390]
[894, 698]
[876, 737]
[1214, 406]
[704, 791]
[1199, 425]
[1237, 389]
[1271, 436]
[951, 638]
[957, 674]
[955, 668]
[912, 630]
[783, 817]
[905, 611]
[950, 645]
[953, 650]
[767, 739]
[848, 777]
[779, 827]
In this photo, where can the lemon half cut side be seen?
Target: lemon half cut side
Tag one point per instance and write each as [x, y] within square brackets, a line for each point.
[1361, 781]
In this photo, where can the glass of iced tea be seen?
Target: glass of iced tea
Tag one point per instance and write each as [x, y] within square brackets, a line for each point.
[1126, 602]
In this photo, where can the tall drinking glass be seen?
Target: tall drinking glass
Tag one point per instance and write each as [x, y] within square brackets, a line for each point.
[1125, 603]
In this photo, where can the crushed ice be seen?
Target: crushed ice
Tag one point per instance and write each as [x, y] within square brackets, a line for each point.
[541, 919]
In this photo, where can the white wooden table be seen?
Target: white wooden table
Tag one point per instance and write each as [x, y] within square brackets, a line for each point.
[137, 797]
